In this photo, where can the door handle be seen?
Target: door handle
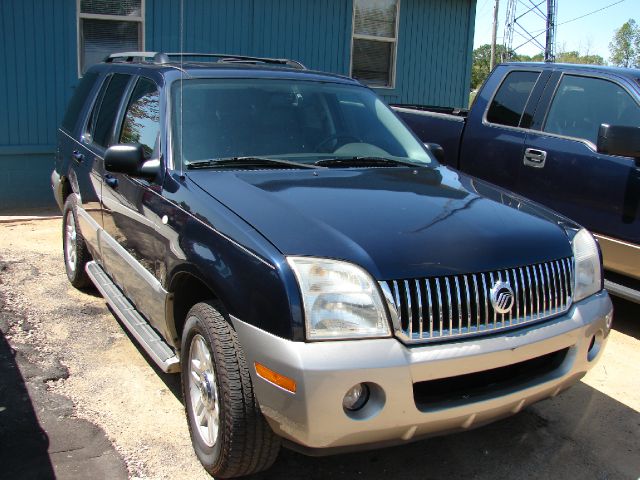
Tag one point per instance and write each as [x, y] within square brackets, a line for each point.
[78, 157]
[534, 158]
[111, 181]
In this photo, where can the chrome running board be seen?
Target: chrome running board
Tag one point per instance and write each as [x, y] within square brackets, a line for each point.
[622, 291]
[153, 344]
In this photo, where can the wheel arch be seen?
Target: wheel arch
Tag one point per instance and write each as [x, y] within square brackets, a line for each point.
[186, 288]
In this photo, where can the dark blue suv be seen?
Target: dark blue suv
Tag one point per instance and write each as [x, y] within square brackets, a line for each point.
[279, 237]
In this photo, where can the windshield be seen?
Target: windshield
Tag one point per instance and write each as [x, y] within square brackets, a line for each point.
[300, 121]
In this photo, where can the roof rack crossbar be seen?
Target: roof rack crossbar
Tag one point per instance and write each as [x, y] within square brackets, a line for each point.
[225, 57]
[160, 58]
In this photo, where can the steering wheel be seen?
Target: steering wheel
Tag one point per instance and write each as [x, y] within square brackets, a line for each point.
[338, 139]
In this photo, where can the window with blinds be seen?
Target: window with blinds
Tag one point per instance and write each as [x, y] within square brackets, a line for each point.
[108, 26]
[375, 38]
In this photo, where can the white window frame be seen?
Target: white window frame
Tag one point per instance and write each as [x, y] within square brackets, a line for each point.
[394, 51]
[122, 18]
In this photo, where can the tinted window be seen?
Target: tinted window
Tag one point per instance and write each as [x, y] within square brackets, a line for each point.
[109, 109]
[508, 104]
[77, 101]
[142, 120]
[581, 104]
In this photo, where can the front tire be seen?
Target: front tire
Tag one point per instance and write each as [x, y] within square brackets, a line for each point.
[76, 253]
[229, 434]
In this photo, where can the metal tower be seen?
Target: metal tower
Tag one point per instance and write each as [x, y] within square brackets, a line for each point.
[531, 13]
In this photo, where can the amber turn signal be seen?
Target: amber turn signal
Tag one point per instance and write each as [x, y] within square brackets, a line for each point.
[274, 377]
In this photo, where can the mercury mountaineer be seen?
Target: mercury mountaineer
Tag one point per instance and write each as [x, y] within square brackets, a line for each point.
[280, 238]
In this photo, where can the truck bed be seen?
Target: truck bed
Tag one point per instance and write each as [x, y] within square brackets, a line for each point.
[441, 125]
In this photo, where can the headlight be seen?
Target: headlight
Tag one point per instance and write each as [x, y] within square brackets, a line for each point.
[340, 300]
[588, 273]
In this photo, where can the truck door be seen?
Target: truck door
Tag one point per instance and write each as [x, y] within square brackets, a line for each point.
[132, 249]
[496, 129]
[561, 168]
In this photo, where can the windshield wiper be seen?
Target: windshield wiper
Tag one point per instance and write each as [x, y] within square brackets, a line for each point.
[246, 162]
[363, 162]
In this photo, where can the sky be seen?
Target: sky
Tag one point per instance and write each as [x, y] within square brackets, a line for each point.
[590, 34]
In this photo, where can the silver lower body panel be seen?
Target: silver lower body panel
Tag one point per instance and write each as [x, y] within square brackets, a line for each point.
[314, 417]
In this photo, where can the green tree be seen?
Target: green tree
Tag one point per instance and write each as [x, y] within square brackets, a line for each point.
[482, 60]
[625, 45]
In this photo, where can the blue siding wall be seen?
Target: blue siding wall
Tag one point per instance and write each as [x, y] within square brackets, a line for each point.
[435, 39]
[38, 45]
[37, 75]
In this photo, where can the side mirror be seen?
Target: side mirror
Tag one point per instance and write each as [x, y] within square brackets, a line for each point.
[129, 159]
[618, 140]
[437, 151]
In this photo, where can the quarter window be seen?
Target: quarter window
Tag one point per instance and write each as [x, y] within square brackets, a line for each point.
[107, 26]
[142, 120]
[509, 102]
[582, 104]
[78, 100]
[375, 38]
[108, 109]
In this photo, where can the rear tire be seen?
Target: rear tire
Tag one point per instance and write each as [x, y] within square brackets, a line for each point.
[229, 434]
[76, 254]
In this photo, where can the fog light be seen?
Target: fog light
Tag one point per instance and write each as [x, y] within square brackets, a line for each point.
[356, 397]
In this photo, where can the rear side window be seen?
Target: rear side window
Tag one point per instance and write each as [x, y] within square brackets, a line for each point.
[581, 104]
[509, 102]
[108, 111]
[78, 100]
[142, 120]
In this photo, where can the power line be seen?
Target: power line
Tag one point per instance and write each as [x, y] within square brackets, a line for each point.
[591, 13]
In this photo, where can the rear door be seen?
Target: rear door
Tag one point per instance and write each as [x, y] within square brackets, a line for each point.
[494, 137]
[561, 167]
[76, 160]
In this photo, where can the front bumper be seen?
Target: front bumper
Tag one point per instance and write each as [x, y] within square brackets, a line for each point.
[314, 418]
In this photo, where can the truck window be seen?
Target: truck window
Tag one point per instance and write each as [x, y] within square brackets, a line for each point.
[509, 102]
[142, 120]
[581, 104]
[77, 101]
[109, 109]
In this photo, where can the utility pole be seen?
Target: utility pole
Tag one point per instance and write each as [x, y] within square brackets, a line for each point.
[494, 30]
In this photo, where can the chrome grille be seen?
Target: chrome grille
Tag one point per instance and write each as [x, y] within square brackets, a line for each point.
[440, 308]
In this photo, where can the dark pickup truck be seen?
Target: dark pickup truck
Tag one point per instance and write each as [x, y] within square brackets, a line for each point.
[567, 136]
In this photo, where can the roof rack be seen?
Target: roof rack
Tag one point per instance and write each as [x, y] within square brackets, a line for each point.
[160, 58]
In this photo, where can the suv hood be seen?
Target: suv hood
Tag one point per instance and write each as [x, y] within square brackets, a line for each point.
[396, 222]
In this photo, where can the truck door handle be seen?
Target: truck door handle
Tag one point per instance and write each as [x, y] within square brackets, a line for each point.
[111, 181]
[77, 156]
[534, 158]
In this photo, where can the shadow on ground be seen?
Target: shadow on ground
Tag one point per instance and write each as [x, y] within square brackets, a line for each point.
[24, 444]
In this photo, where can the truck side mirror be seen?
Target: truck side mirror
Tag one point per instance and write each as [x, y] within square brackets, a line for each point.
[129, 159]
[436, 150]
[619, 140]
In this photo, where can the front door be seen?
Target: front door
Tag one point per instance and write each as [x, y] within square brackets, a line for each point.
[561, 168]
[135, 255]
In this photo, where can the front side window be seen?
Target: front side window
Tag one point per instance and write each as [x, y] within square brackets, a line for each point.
[107, 26]
[142, 121]
[508, 104]
[298, 121]
[103, 121]
[582, 104]
[375, 38]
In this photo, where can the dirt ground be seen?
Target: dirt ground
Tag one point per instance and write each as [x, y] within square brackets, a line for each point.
[590, 431]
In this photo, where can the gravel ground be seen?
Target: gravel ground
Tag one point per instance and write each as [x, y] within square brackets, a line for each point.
[590, 431]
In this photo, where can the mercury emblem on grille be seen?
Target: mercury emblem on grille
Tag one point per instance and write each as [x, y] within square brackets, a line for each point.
[502, 297]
